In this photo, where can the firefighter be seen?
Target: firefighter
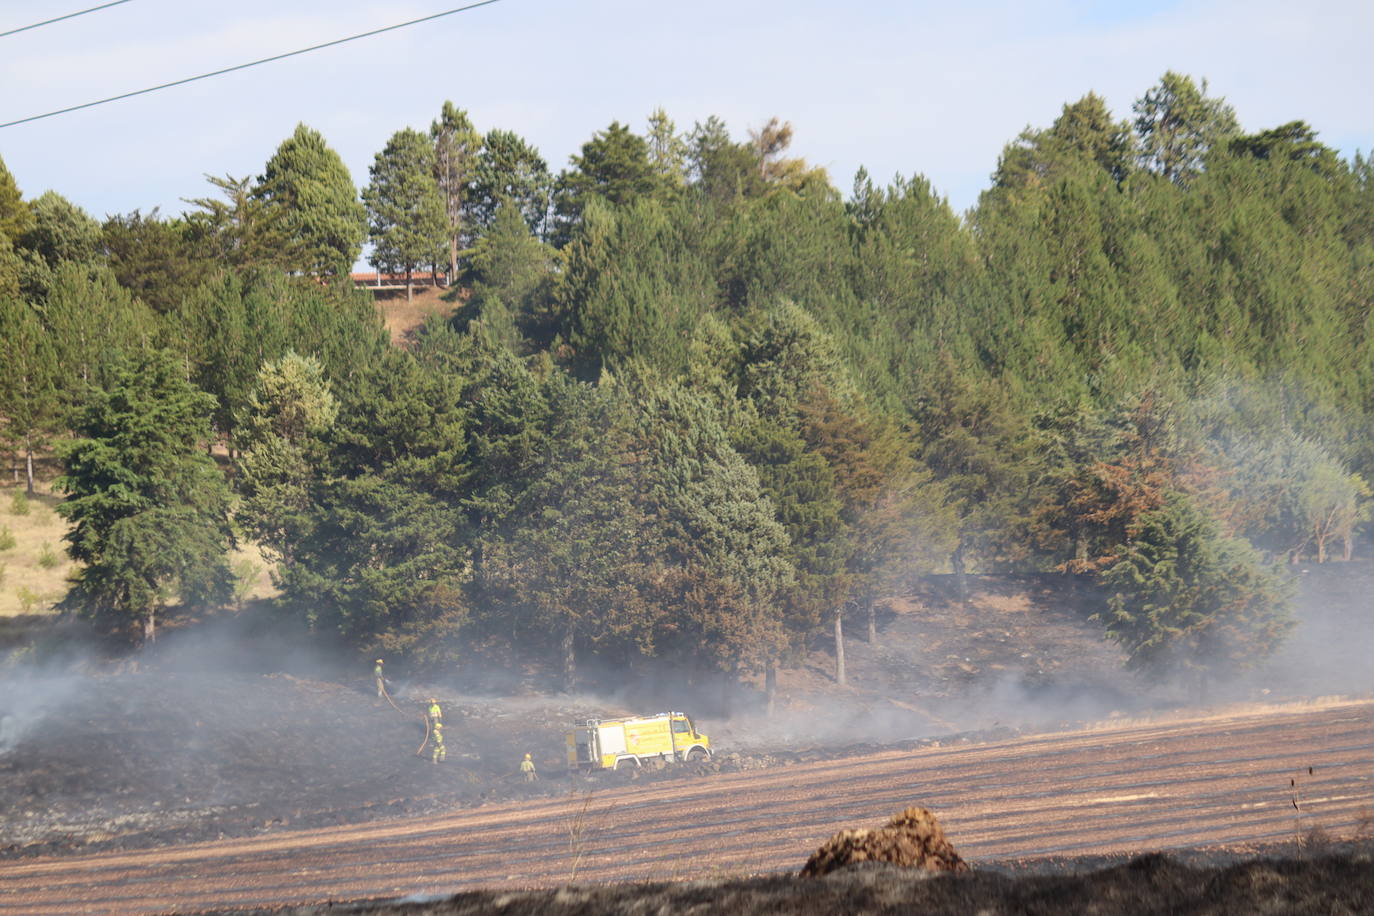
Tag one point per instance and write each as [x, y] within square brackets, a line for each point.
[380, 678]
[437, 737]
[436, 715]
[527, 767]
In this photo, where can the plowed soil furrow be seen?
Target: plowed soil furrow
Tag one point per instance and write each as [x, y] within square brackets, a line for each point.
[1215, 780]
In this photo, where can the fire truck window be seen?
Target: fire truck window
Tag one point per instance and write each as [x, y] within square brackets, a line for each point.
[680, 726]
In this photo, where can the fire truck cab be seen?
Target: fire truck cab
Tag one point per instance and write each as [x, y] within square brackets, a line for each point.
[608, 744]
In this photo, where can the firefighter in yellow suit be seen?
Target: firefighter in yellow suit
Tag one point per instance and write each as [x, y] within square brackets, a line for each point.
[435, 713]
[380, 678]
[527, 767]
[437, 737]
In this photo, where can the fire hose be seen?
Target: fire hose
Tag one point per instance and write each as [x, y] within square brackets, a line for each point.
[386, 693]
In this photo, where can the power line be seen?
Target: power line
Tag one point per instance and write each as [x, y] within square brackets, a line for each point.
[265, 60]
[103, 6]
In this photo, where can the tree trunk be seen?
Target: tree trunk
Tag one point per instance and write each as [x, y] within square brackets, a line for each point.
[409, 275]
[569, 660]
[839, 646]
[871, 610]
[28, 462]
[452, 258]
[956, 562]
[150, 627]
[770, 685]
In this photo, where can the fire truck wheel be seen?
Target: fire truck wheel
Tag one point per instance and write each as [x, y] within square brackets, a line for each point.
[696, 755]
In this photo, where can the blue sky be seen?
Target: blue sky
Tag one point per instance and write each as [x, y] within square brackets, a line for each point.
[931, 88]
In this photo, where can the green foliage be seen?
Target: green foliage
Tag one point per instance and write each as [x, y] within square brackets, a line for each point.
[508, 168]
[289, 409]
[667, 149]
[727, 554]
[632, 288]
[456, 148]
[311, 198]
[47, 557]
[1178, 124]
[15, 216]
[92, 323]
[1187, 598]
[405, 210]
[370, 530]
[156, 259]
[148, 508]
[511, 275]
[613, 167]
[61, 233]
[7, 541]
[239, 228]
[28, 382]
[19, 504]
[730, 404]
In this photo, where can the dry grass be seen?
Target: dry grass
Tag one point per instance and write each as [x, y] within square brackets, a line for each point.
[402, 318]
[33, 573]
[28, 586]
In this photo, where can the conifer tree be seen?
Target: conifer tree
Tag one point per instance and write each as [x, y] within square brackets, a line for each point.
[1178, 124]
[508, 168]
[309, 188]
[15, 216]
[457, 146]
[149, 509]
[29, 405]
[405, 207]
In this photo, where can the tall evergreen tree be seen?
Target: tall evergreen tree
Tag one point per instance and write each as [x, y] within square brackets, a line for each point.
[29, 406]
[1178, 124]
[508, 168]
[405, 207]
[457, 146]
[613, 167]
[15, 216]
[310, 188]
[149, 509]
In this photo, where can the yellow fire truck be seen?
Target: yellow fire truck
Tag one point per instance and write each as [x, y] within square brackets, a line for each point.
[609, 744]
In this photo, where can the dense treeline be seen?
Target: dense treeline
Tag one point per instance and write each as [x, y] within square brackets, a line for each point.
[695, 407]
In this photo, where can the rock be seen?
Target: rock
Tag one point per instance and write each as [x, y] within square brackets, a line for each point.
[913, 838]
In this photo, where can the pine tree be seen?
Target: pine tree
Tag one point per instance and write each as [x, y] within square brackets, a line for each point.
[1186, 599]
[15, 216]
[511, 276]
[457, 146]
[1178, 124]
[282, 427]
[309, 188]
[28, 376]
[405, 207]
[149, 509]
[613, 167]
[508, 168]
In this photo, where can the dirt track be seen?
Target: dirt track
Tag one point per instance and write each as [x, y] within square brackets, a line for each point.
[1222, 779]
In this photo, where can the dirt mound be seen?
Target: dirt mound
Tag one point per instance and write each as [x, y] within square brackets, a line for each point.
[913, 838]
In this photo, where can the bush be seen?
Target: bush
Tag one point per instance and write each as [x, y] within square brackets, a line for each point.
[7, 540]
[47, 557]
[28, 599]
[19, 505]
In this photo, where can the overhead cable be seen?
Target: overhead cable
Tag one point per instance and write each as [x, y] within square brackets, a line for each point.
[103, 6]
[265, 60]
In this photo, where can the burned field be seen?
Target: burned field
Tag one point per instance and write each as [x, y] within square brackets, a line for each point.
[192, 785]
[1021, 805]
